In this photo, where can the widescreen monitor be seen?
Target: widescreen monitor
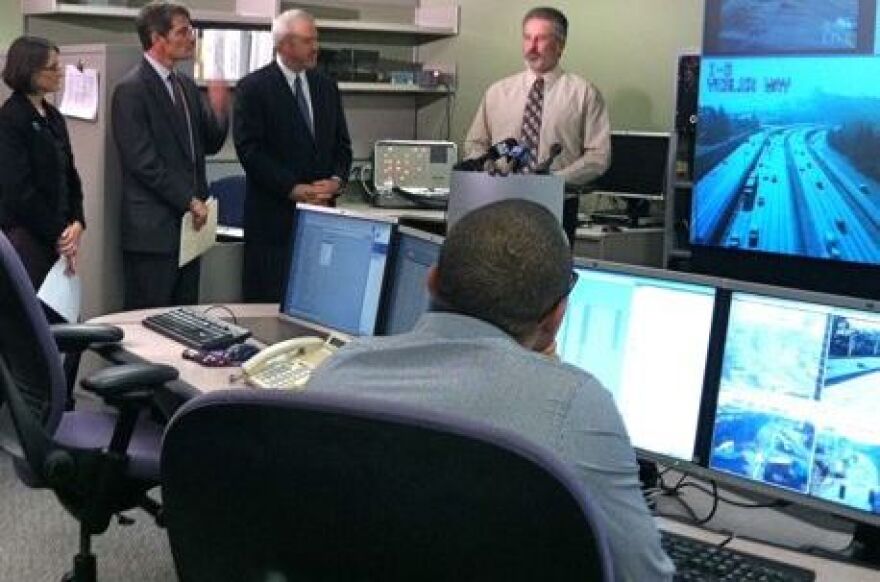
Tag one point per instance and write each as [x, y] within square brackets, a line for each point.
[407, 297]
[644, 334]
[787, 139]
[797, 402]
[639, 161]
[337, 269]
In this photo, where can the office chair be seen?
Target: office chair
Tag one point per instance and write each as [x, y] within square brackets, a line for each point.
[97, 463]
[230, 193]
[276, 485]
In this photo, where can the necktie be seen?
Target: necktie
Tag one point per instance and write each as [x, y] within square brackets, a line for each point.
[182, 109]
[531, 125]
[301, 103]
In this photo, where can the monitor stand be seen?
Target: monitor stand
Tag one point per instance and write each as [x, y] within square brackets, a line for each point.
[636, 215]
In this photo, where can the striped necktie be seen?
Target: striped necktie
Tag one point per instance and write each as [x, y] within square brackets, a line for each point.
[531, 125]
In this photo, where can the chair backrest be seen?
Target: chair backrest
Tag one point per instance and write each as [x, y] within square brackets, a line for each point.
[31, 374]
[230, 193]
[299, 486]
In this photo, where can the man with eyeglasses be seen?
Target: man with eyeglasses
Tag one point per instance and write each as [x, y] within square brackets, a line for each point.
[292, 139]
[163, 127]
[499, 292]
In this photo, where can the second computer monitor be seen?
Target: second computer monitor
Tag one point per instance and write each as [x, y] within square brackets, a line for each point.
[645, 336]
[408, 296]
[337, 269]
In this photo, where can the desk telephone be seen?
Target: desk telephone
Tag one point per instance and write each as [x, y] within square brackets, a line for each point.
[289, 364]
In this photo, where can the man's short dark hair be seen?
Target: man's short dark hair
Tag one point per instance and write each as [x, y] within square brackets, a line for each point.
[507, 263]
[157, 17]
[26, 57]
[554, 16]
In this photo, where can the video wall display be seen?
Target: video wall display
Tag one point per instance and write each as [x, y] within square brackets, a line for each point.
[787, 156]
[797, 402]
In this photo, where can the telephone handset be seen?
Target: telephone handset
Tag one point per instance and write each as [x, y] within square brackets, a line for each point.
[288, 364]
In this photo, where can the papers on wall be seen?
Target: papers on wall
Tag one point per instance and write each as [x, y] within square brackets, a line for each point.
[194, 243]
[80, 98]
[62, 292]
[262, 48]
[223, 54]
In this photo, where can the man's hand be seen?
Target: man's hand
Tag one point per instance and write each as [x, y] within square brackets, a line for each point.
[311, 194]
[199, 211]
[218, 98]
[331, 186]
[68, 241]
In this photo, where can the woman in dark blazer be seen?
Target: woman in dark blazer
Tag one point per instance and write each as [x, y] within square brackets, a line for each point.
[41, 198]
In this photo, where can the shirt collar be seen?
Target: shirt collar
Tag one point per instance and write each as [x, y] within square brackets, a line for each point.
[289, 73]
[452, 325]
[550, 76]
[160, 69]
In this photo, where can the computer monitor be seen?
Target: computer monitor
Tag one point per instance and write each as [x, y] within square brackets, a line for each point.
[797, 401]
[336, 270]
[638, 166]
[644, 334]
[408, 297]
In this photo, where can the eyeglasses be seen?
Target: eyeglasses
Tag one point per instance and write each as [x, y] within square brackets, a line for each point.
[572, 281]
[53, 68]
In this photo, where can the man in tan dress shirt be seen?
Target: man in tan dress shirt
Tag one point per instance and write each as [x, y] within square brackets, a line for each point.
[572, 111]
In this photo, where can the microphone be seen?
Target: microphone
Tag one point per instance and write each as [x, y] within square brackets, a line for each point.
[544, 167]
[519, 158]
[502, 148]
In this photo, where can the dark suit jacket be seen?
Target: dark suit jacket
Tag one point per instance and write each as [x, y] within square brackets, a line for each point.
[159, 177]
[38, 191]
[277, 150]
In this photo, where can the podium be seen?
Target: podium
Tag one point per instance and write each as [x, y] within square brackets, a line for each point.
[471, 190]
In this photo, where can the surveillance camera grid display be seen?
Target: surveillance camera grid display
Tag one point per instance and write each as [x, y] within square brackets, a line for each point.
[799, 390]
[787, 158]
[646, 341]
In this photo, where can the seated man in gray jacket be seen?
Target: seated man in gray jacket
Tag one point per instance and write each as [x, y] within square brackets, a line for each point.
[499, 294]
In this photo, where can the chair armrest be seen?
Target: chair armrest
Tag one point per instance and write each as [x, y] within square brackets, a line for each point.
[77, 337]
[129, 383]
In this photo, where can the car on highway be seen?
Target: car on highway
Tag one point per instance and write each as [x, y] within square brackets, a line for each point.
[863, 188]
[841, 225]
[753, 237]
[832, 245]
[820, 185]
[733, 241]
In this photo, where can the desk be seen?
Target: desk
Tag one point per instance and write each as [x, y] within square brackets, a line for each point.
[637, 246]
[142, 344]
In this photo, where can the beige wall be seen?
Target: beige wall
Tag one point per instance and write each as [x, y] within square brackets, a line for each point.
[628, 48]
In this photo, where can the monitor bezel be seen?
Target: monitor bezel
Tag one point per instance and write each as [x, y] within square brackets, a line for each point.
[348, 213]
[642, 195]
[385, 302]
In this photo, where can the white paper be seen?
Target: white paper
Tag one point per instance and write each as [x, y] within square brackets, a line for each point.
[62, 292]
[194, 243]
[261, 49]
[80, 98]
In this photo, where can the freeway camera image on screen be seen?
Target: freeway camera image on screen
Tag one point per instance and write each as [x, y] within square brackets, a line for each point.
[788, 157]
[771, 26]
[796, 408]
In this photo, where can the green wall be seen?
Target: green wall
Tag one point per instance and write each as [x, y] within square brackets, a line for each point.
[10, 22]
[628, 48]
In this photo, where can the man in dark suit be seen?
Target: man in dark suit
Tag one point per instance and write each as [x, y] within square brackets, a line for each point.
[163, 128]
[292, 139]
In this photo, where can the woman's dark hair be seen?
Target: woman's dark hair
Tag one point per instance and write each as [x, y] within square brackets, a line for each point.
[27, 56]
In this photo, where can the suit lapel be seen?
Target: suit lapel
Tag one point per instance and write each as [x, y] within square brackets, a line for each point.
[291, 109]
[166, 106]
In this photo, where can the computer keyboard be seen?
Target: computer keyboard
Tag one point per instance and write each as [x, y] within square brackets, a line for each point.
[195, 329]
[700, 560]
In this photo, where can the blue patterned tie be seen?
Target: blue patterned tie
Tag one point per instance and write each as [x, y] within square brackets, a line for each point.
[303, 106]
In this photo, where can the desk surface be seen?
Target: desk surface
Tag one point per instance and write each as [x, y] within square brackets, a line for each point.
[758, 523]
